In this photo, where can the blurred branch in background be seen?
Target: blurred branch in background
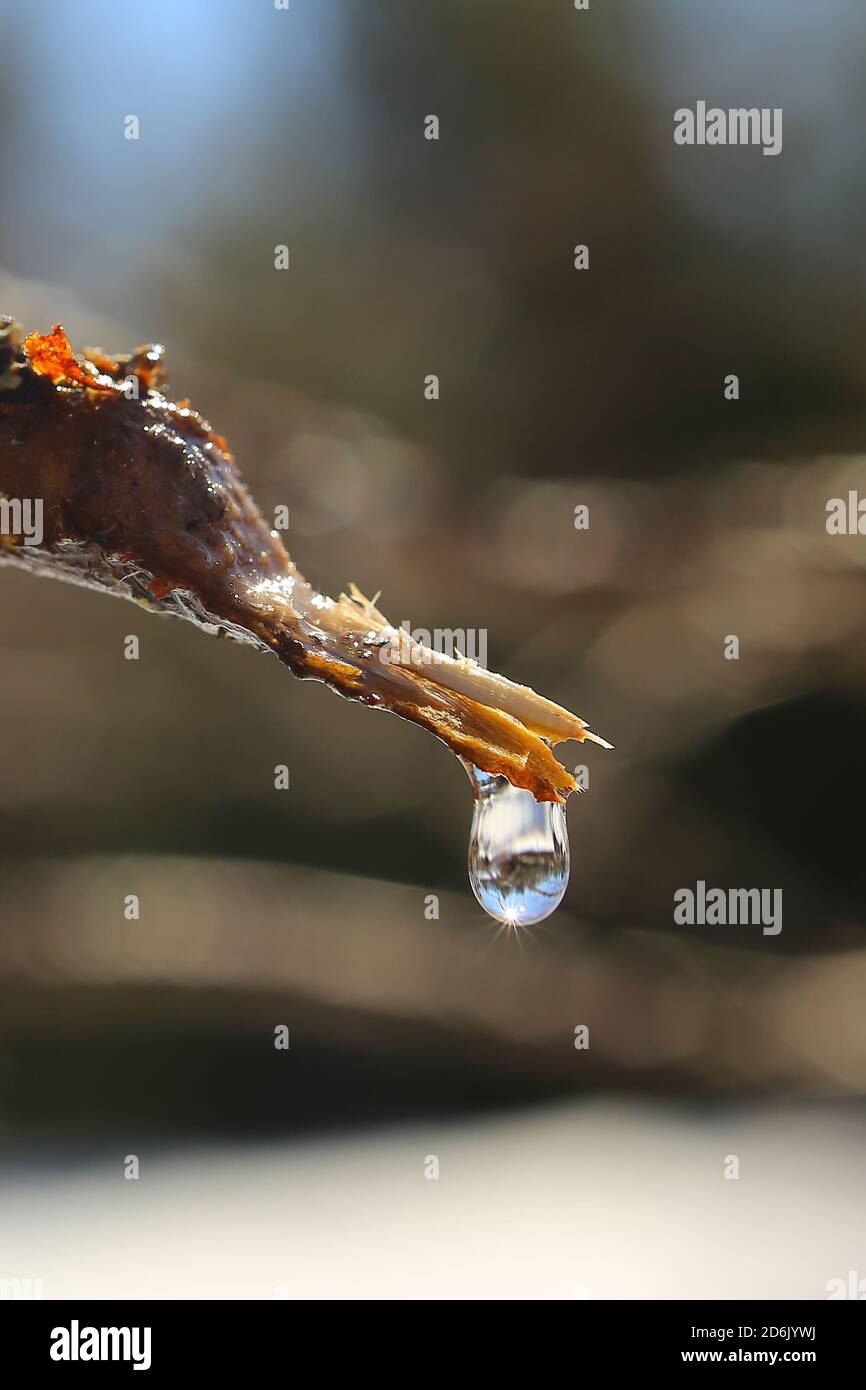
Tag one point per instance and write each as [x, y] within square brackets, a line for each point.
[391, 1015]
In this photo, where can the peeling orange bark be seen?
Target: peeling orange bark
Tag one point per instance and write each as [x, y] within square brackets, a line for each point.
[51, 355]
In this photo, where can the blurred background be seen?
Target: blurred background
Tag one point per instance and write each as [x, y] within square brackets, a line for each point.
[564, 1173]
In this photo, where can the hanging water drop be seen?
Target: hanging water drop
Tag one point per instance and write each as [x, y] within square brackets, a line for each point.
[518, 851]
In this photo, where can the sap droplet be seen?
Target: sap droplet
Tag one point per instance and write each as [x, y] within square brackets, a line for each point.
[518, 851]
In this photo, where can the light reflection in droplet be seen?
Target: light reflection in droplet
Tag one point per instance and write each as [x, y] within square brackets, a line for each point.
[518, 851]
